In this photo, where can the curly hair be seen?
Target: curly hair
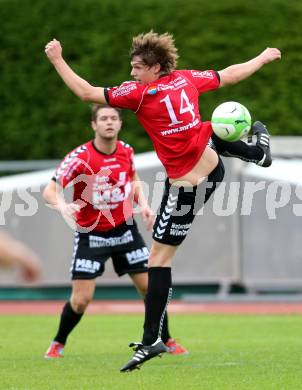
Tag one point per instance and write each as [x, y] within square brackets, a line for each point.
[155, 49]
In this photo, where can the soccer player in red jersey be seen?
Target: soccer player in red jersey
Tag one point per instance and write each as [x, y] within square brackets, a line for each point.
[104, 181]
[165, 101]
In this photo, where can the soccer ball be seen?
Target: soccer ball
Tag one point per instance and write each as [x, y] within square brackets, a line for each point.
[231, 121]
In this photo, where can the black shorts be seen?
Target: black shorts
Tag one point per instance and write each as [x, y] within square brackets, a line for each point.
[180, 205]
[123, 244]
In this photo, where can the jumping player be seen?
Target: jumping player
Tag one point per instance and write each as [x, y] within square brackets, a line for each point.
[165, 101]
[102, 175]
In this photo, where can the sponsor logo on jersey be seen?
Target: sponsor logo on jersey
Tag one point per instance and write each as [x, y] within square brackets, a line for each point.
[101, 242]
[86, 265]
[182, 128]
[205, 74]
[124, 89]
[152, 90]
[179, 229]
[137, 255]
[176, 84]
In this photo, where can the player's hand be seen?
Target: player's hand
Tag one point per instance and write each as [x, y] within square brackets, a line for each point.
[30, 267]
[15, 254]
[53, 50]
[270, 54]
[68, 212]
[148, 217]
[70, 209]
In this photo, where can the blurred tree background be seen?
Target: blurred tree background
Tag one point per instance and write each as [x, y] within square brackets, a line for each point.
[40, 117]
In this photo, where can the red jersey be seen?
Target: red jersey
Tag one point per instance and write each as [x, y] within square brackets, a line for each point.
[168, 110]
[102, 184]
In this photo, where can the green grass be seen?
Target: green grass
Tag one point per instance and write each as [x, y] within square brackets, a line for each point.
[226, 352]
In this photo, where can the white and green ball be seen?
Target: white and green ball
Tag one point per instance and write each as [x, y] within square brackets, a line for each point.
[231, 121]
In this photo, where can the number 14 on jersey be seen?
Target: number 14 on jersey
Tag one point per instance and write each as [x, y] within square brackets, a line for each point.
[183, 107]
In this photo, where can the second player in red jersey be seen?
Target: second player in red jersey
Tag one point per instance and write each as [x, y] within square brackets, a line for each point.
[103, 178]
[102, 185]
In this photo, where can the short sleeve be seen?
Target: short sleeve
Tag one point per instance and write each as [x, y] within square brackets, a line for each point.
[205, 80]
[72, 166]
[127, 95]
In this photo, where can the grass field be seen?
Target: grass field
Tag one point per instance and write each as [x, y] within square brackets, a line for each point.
[226, 352]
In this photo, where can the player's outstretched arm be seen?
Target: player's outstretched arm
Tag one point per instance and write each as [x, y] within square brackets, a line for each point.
[14, 253]
[78, 86]
[235, 73]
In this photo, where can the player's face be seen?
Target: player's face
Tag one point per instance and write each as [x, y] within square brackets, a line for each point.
[143, 73]
[107, 124]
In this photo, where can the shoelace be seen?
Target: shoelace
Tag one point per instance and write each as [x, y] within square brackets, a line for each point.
[135, 345]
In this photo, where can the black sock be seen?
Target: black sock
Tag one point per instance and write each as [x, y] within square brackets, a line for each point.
[165, 334]
[69, 319]
[157, 298]
[239, 149]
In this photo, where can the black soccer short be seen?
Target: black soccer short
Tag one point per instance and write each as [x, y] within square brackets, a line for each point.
[180, 205]
[123, 244]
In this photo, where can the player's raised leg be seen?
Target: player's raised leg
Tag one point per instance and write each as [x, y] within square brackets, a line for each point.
[259, 153]
[263, 142]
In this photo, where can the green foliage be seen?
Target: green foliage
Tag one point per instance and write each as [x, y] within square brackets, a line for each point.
[226, 353]
[40, 118]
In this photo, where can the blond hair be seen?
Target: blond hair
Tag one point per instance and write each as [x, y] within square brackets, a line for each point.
[153, 49]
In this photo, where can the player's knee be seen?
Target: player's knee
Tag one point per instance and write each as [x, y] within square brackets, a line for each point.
[79, 303]
[159, 258]
[143, 290]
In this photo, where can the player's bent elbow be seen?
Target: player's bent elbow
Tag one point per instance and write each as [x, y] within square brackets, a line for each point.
[85, 97]
[94, 95]
[47, 193]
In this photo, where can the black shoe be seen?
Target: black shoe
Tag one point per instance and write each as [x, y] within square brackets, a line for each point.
[263, 142]
[144, 353]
